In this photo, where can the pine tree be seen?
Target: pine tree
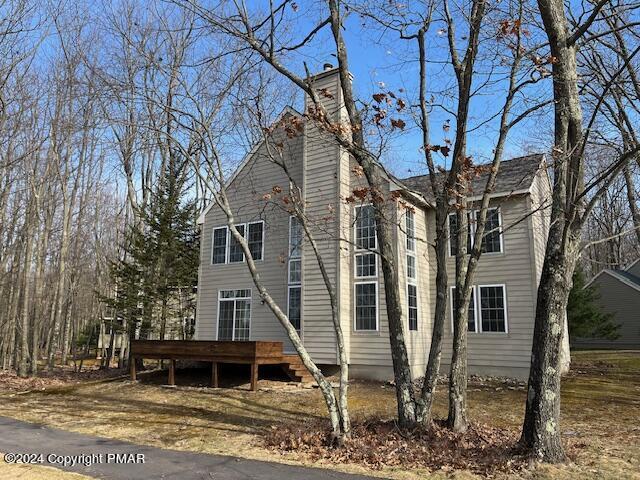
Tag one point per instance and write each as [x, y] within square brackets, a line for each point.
[159, 272]
[585, 318]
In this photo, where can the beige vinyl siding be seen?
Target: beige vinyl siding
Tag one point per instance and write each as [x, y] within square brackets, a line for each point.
[418, 341]
[513, 268]
[322, 158]
[368, 348]
[246, 192]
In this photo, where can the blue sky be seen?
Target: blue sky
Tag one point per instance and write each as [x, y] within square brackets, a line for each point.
[380, 61]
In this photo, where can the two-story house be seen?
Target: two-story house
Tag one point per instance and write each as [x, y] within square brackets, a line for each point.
[503, 305]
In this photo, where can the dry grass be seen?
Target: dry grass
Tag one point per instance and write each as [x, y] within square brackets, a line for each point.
[601, 408]
[36, 472]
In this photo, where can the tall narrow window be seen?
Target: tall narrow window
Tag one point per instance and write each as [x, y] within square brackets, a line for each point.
[295, 237]
[294, 274]
[234, 314]
[366, 306]
[255, 239]
[412, 304]
[492, 239]
[472, 324]
[295, 306]
[411, 267]
[410, 227]
[365, 228]
[235, 250]
[219, 249]
[493, 311]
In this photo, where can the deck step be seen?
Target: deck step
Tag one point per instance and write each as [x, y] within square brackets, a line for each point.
[295, 369]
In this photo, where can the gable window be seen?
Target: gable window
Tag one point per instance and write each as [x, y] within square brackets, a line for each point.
[491, 240]
[255, 239]
[366, 299]
[472, 323]
[493, 310]
[365, 228]
[234, 314]
[412, 306]
[219, 249]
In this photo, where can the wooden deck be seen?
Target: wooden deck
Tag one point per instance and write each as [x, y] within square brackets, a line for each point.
[254, 353]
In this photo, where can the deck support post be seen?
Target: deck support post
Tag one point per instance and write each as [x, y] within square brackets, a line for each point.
[254, 377]
[214, 374]
[132, 368]
[172, 372]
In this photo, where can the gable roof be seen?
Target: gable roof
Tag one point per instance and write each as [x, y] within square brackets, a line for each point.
[514, 176]
[622, 276]
[247, 158]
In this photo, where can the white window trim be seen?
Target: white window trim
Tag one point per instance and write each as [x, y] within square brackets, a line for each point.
[291, 217]
[229, 242]
[413, 280]
[226, 244]
[479, 312]
[475, 309]
[361, 253]
[413, 283]
[228, 236]
[355, 231]
[410, 237]
[289, 287]
[233, 329]
[355, 303]
[262, 240]
[290, 284]
[473, 214]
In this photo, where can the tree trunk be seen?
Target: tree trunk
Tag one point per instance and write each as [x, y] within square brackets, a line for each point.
[23, 365]
[457, 419]
[541, 430]
[439, 317]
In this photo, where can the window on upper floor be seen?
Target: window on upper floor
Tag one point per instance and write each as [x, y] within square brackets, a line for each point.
[235, 250]
[410, 227]
[225, 248]
[255, 239]
[365, 228]
[219, 248]
[295, 237]
[366, 265]
[492, 239]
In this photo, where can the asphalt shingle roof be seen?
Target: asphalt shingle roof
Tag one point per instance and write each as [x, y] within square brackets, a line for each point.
[629, 276]
[514, 174]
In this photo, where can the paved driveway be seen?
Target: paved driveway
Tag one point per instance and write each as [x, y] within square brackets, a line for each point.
[57, 446]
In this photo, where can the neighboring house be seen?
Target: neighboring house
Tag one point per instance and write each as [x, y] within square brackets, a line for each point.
[502, 313]
[619, 295]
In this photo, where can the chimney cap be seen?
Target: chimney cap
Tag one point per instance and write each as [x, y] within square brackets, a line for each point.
[327, 66]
